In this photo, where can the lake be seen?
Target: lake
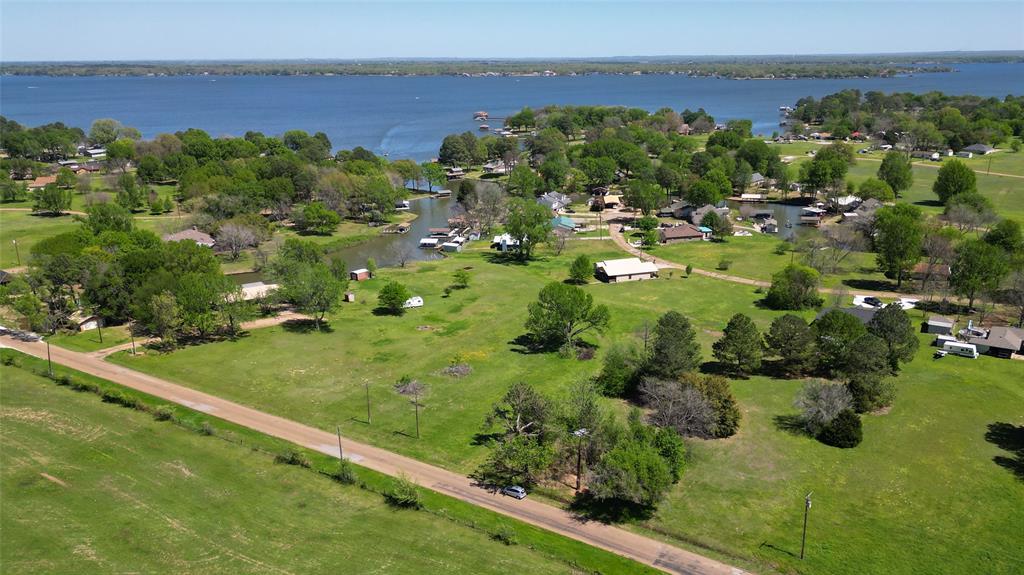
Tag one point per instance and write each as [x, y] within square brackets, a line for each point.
[406, 117]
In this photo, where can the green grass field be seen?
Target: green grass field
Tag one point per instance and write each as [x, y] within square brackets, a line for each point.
[91, 487]
[923, 468]
[27, 230]
[921, 494]
[90, 340]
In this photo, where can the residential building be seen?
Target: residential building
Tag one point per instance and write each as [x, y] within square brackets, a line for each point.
[1001, 341]
[624, 270]
[554, 201]
[680, 233]
[191, 234]
[979, 149]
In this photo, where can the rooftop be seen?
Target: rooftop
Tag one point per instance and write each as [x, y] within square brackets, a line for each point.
[626, 267]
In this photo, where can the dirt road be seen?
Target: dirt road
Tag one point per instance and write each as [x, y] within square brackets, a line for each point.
[645, 550]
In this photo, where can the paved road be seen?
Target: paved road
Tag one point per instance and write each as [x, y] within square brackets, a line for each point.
[645, 550]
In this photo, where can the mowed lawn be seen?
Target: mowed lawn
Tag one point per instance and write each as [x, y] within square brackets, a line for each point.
[27, 229]
[754, 257]
[897, 502]
[90, 340]
[89, 487]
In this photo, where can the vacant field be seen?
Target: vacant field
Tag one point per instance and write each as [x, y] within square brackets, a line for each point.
[923, 472]
[27, 230]
[921, 494]
[319, 377]
[94, 488]
[754, 257]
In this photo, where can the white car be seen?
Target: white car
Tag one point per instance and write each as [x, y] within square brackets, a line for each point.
[414, 301]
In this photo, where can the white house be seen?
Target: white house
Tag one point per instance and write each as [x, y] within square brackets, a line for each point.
[624, 270]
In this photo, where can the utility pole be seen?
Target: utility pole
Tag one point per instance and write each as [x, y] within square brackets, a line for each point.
[99, 326]
[579, 433]
[367, 385]
[131, 334]
[341, 451]
[49, 362]
[16, 251]
[803, 540]
[416, 402]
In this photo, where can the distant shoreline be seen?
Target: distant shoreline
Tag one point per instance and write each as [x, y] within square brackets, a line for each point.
[726, 67]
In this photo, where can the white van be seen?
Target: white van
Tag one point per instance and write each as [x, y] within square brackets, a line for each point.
[961, 349]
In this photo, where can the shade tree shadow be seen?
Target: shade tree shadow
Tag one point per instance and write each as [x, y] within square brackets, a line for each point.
[306, 326]
[1010, 438]
[792, 424]
[586, 507]
[870, 285]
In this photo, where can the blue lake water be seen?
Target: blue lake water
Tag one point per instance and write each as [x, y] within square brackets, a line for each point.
[408, 116]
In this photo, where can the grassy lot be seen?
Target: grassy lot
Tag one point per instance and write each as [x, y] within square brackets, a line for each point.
[921, 494]
[754, 257]
[275, 368]
[90, 340]
[92, 487]
[27, 230]
[1006, 193]
[895, 503]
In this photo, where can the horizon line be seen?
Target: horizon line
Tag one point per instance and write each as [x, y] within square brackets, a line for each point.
[624, 58]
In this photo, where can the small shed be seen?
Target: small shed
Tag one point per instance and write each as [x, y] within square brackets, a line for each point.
[85, 321]
[939, 324]
[361, 274]
[350, 297]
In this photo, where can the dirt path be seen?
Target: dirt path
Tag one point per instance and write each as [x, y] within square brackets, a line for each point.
[620, 240]
[625, 543]
[254, 324]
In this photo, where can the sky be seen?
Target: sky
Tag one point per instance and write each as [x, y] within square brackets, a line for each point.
[260, 29]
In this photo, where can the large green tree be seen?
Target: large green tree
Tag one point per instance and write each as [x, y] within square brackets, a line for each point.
[790, 338]
[674, 349]
[954, 178]
[794, 288]
[562, 313]
[979, 267]
[740, 346]
[898, 239]
[896, 171]
[835, 334]
[893, 326]
[528, 222]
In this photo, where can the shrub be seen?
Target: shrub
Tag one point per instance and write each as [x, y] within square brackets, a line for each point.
[7, 360]
[506, 535]
[63, 379]
[163, 413]
[403, 493]
[346, 472]
[871, 393]
[821, 403]
[206, 429]
[844, 431]
[114, 396]
[724, 264]
[292, 457]
[689, 270]
[782, 248]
